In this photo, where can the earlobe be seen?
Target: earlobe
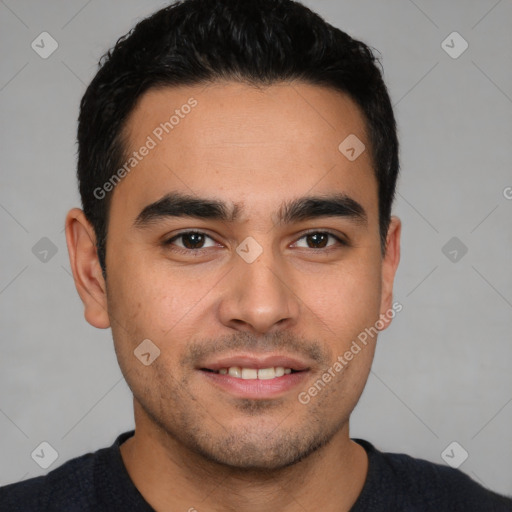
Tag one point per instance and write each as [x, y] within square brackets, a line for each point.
[89, 281]
[389, 267]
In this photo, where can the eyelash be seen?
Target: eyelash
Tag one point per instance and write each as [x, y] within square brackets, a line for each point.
[182, 250]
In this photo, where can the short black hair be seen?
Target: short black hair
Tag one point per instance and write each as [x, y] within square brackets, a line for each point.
[258, 42]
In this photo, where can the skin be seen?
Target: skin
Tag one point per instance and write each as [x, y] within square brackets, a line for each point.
[195, 445]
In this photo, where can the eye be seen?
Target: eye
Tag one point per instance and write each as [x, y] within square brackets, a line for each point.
[195, 241]
[319, 240]
[190, 240]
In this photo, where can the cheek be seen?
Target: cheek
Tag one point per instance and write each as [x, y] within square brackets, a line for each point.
[154, 300]
[145, 306]
[346, 299]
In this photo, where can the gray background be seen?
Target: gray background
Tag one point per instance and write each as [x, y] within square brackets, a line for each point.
[442, 371]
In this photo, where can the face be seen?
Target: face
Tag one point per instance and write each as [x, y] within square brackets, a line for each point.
[245, 246]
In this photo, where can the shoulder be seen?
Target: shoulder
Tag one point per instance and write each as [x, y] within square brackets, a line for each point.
[67, 485]
[420, 485]
[87, 482]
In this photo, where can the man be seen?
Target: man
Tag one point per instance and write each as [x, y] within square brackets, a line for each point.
[237, 168]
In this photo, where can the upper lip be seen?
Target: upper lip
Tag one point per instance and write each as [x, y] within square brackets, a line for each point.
[256, 361]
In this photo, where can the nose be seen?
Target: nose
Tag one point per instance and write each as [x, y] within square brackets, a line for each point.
[259, 297]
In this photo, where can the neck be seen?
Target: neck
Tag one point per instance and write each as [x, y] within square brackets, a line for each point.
[171, 477]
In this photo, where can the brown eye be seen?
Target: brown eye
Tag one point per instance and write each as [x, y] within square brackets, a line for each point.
[192, 240]
[319, 240]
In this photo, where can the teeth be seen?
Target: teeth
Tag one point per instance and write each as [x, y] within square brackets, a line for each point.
[253, 373]
[234, 371]
[266, 373]
[249, 373]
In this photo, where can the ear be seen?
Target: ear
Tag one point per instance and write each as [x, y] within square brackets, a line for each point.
[85, 265]
[389, 266]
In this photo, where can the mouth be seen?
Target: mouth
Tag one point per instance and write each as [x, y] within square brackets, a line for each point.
[255, 376]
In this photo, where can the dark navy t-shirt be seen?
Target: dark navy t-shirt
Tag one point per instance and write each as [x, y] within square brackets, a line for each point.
[395, 482]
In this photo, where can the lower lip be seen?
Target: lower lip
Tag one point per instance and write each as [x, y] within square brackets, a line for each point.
[256, 388]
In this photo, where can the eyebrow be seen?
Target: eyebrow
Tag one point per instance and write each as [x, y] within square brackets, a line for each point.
[176, 204]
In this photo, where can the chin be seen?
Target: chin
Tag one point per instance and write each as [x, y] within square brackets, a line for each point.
[257, 452]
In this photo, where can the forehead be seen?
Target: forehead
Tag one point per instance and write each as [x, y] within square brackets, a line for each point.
[231, 139]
